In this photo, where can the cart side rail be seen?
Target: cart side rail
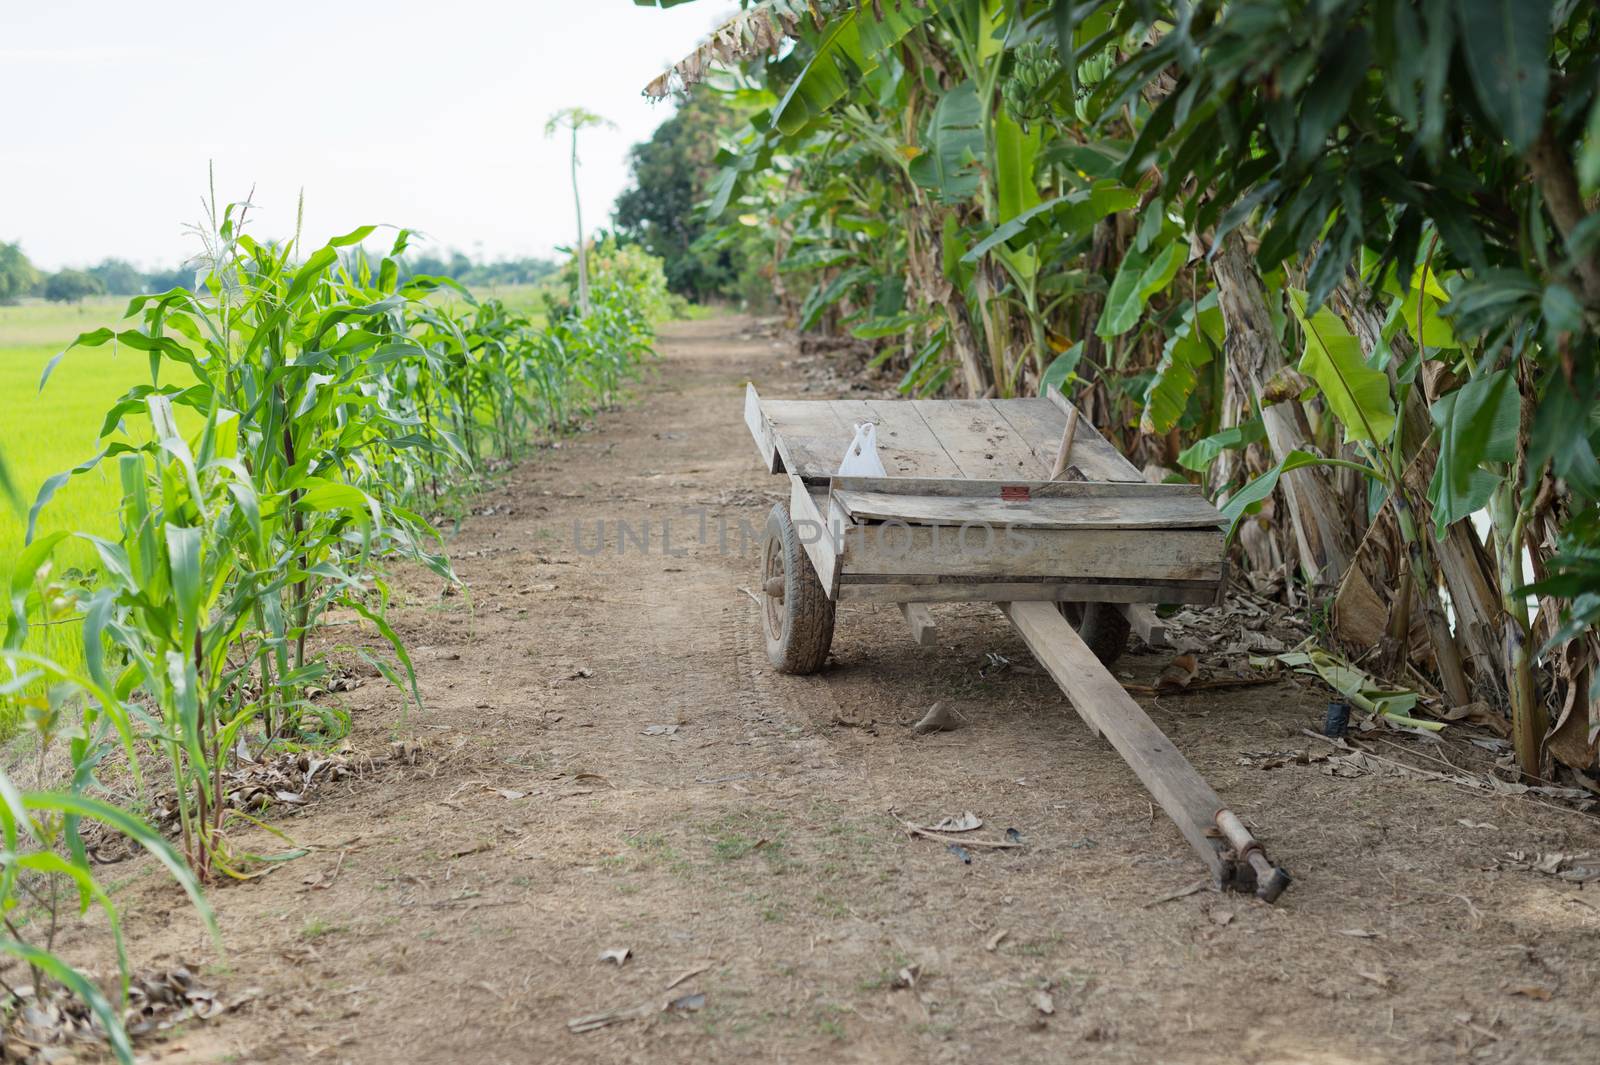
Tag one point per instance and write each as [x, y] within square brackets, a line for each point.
[761, 429]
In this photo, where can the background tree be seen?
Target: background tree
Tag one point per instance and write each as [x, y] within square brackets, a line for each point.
[576, 118]
[120, 277]
[72, 286]
[167, 280]
[17, 275]
[672, 173]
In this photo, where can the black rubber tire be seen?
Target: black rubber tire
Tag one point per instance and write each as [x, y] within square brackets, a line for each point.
[1102, 626]
[799, 629]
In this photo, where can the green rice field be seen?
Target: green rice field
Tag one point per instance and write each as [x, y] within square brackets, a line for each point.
[46, 432]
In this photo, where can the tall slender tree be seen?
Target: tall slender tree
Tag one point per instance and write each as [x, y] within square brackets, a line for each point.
[576, 118]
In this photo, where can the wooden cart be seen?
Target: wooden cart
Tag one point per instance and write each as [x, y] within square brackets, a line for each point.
[969, 512]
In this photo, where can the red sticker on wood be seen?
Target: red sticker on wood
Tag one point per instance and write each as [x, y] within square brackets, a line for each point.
[1015, 492]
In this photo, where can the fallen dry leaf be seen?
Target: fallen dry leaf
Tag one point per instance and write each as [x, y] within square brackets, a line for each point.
[616, 954]
[967, 822]
[1043, 1002]
[937, 719]
[1533, 991]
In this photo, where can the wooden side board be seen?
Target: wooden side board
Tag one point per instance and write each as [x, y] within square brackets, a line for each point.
[1076, 554]
[1045, 512]
[1111, 712]
[761, 430]
[807, 506]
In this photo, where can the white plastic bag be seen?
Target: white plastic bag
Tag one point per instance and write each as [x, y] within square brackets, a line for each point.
[861, 457]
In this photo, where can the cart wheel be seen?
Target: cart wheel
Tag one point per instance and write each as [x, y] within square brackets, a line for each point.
[799, 618]
[1103, 627]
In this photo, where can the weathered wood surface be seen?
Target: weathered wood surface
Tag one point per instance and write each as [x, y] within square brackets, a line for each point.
[1151, 629]
[1000, 439]
[1173, 512]
[980, 442]
[920, 621]
[806, 509]
[924, 588]
[986, 488]
[1092, 453]
[808, 434]
[961, 458]
[759, 428]
[906, 445]
[1069, 554]
[1111, 712]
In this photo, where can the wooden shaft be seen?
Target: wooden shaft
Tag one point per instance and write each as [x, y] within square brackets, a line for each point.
[1110, 711]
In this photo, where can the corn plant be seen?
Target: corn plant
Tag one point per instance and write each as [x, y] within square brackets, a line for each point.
[41, 831]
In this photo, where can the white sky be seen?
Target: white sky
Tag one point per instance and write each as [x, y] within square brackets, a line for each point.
[416, 113]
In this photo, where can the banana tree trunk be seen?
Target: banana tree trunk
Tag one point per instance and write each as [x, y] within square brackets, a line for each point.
[1255, 357]
[925, 267]
[1459, 557]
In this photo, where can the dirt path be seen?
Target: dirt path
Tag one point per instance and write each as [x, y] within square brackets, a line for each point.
[455, 911]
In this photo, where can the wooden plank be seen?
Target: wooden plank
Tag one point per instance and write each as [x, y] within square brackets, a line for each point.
[979, 440]
[923, 629]
[757, 423]
[986, 488]
[1147, 624]
[806, 507]
[1172, 512]
[1111, 712]
[906, 444]
[1041, 422]
[1003, 439]
[808, 434]
[923, 588]
[1078, 554]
